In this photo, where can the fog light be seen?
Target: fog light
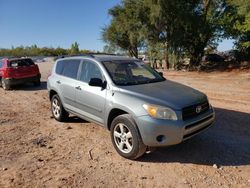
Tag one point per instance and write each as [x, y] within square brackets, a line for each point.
[160, 138]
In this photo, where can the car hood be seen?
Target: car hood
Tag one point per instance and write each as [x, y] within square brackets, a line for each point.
[165, 93]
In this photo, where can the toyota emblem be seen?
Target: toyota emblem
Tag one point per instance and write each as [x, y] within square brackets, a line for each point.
[198, 109]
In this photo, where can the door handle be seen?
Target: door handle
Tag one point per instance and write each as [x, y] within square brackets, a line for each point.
[79, 88]
[58, 82]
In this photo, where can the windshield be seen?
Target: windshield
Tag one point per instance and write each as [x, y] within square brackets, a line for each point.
[131, 72]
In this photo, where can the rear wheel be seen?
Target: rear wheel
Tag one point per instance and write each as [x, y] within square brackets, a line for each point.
[58, 112]
[5, 86]
[37, 83]
[126, 138]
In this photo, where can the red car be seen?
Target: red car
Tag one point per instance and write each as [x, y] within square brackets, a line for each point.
[18, 71]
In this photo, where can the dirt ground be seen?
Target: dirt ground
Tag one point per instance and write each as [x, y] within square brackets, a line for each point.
[37, 151]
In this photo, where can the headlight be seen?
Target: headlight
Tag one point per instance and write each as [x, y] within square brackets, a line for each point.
[160, 112]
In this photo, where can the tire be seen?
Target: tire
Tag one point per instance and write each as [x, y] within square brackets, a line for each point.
[5, 86]
[37, 83]
[126, 138]
[58, 112]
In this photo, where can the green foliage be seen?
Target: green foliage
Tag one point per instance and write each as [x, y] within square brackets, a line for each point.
[33, 50]
[74, 49]
[125, 30]
[177, 29]
[237, 23]
[186, 26]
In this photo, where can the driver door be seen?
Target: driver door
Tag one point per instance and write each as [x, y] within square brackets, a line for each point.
[90, 100]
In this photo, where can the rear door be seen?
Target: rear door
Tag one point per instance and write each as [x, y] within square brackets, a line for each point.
[66, 81]
[23, 68]
[90, 100]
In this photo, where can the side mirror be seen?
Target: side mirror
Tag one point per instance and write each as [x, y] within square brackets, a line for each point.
[96, 82]
[161, 74]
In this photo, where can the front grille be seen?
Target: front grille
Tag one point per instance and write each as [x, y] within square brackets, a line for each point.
[198, 123]
[191, 111]
[195, 132]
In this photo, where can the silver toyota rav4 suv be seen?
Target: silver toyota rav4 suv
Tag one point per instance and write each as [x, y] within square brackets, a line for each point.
[136, 103]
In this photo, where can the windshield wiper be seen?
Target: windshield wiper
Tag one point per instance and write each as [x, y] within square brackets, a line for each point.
[126, 83]
[140, 82]
[156, 80]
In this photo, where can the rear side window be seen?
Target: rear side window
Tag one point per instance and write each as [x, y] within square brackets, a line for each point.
[21, 62]
[68, 68]
[59, 67]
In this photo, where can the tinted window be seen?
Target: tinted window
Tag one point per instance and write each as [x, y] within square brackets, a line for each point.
[89, 70]
[59, 67]
[70, 68]
[21, 62]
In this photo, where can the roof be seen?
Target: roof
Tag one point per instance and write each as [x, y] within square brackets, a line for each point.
[103, 57]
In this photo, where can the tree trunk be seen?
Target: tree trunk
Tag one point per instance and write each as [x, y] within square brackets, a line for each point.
[195, 60]
[166, 55]
[206, 7]
[133, 51]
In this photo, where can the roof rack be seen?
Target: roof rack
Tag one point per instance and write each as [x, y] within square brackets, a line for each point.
[64, 56]
[89, 55]
[104, 54]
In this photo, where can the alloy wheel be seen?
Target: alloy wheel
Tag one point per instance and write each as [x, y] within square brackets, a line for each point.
[3, 84]
[56, 108]
[123, 138]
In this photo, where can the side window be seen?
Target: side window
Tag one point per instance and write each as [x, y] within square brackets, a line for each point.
[70, 68]
[90, 70]
[1, 64]
[59, 67]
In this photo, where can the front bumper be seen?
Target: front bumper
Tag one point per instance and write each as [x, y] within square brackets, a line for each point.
[158, 132]
[15, 81]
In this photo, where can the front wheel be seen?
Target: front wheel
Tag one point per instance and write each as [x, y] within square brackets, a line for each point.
[58, 112]
[126, 138]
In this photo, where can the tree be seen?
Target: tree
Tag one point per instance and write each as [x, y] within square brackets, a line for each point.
[33, 50]
[125, 29]
[237, 23]
[60, 51]
[185, 26]
[206, 28]
[164, 18]
[74, 49]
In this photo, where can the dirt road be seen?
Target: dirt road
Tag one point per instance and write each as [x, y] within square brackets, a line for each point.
[37, 151]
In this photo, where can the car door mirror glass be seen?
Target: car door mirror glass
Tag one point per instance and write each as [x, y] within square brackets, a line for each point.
[97, 82]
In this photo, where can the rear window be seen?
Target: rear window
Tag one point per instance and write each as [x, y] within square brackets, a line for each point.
[68, 68]
[21, 62]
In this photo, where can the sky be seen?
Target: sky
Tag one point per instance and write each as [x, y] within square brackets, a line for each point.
[54, 23]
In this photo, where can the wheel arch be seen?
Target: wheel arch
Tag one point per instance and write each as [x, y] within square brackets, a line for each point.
[113, 114]
[52, 93]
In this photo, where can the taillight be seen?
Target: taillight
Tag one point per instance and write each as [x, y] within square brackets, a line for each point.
[8, 72]
[4, 73]
[37, 69]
